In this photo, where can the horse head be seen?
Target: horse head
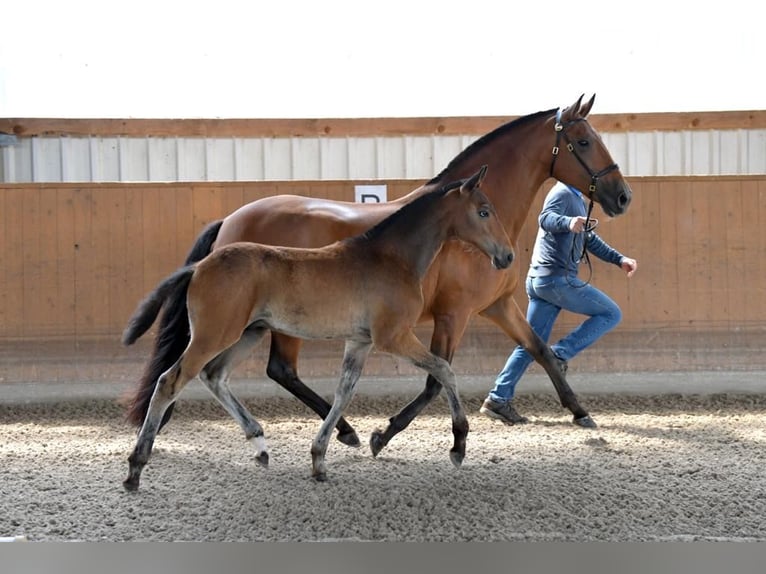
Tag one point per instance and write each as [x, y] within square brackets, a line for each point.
[581, 159]
[479, 223]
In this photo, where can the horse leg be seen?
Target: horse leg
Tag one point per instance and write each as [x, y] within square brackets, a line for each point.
[354, 357]
[168, 386]
[282, 368]
[506, 314]
[448, 331]
[409, 347]
[215, 375]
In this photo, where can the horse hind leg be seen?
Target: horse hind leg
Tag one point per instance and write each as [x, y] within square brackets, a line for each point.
[215, 376]
[282, 368]
[168, 386]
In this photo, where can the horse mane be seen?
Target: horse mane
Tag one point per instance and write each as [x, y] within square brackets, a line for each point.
[488, 138]
[410, 211]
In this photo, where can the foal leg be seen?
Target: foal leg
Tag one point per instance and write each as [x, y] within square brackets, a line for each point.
[354, 358]
[409, 347]
[448, 331]
[506, 314]
[215, 375]
[168, 386]
[282, 368]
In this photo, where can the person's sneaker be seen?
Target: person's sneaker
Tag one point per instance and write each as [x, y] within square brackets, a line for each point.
[502, 412]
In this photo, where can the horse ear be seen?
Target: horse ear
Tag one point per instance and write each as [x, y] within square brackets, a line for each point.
[474, 181]
[585, 109]
[572, 111]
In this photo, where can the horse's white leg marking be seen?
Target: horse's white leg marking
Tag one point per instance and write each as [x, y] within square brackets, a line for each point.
[216, 375]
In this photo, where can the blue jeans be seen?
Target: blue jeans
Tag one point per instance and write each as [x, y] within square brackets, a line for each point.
[547, 297]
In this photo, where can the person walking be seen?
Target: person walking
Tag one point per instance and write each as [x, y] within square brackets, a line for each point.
[565, 236]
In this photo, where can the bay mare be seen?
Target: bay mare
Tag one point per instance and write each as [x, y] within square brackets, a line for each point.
[365, 289]
[521, 155]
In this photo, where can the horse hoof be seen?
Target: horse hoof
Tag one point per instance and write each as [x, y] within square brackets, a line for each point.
[320, 476]
[349, 438]
[263, 459]
[376, 442]
[585, 422]
[130, 485]
[456, 458]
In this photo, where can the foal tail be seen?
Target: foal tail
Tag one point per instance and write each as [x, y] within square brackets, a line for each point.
[173, 335]
[149, 308]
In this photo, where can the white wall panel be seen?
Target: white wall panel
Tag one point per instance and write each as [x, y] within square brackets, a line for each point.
[277, 159]
[248, 154]
[17, 161]
[307, 163]
[105, 159]
[390, 157]
[672, 153]
[333, 158]
[46, 159]
[756, 152]
[163, 159]
[362, 158]
[192, 159]
[419, 157]
[134, 159]
[219, 159]
[75, 159]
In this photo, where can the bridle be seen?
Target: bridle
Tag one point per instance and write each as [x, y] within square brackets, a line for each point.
[561, 132]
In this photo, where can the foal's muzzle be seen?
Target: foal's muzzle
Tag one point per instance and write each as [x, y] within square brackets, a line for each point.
[502, 261]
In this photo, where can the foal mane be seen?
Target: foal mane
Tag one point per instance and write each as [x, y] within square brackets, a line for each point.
[488, 138]
[410, 211]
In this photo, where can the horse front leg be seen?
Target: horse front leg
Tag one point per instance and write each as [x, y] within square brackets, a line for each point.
[408, 346]
[506, 314]
[283, 368]
[448, 331]
[354, 357]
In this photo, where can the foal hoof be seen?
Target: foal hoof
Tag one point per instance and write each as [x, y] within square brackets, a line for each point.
[320, 476]
[263, 459]
[456, 458]
[131, 485]
[349, 438]
[585, 422]
[376, 442]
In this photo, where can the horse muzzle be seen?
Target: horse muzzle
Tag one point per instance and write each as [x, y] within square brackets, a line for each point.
[502, 261]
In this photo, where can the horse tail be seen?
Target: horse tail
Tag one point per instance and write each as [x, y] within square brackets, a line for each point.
[149, 308]
[173, 335]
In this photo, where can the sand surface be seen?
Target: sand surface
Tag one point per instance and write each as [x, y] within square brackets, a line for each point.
[659, 467]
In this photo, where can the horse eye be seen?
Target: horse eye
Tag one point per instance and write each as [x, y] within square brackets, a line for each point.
[583, 143]
[483, 213]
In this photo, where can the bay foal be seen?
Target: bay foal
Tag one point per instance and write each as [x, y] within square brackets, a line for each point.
[366, 289]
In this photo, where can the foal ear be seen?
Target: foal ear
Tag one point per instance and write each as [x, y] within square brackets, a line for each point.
[475, 180]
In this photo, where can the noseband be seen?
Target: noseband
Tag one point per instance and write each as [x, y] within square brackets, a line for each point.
[561, 131]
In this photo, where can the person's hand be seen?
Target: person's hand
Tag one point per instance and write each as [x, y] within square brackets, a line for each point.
[629, 265]
[577, 224]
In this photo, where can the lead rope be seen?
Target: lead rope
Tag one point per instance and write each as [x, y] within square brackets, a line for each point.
[584, 255]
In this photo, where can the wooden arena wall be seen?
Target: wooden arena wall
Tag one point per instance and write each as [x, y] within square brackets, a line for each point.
[75, 259]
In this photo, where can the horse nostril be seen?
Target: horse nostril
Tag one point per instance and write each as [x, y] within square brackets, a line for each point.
[623, 200]
[510, 258]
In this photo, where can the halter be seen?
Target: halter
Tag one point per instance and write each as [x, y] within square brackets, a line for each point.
[561, 131]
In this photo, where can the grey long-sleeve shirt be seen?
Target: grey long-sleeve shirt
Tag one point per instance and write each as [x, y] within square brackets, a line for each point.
[557, 249]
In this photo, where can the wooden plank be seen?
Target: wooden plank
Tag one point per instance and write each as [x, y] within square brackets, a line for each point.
[118, 244]
[363, 127]
[50, 301]
[702, 250]
[13, 267]
[732, 288]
